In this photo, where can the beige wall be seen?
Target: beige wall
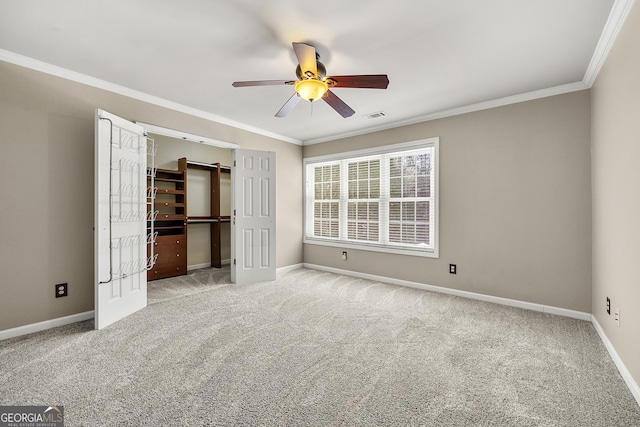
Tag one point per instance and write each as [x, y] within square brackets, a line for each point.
[46, 168]
[515, 203]
[616, 193]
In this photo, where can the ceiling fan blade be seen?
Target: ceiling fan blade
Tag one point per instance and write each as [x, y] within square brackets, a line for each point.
[306, 57]
[262, 83]
[338, 104]
[288, 106]
[365, 81]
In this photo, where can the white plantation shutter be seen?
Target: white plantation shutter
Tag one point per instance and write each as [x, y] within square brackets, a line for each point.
[410, 197]
[363, 200]
[384, 201]
[326, 200]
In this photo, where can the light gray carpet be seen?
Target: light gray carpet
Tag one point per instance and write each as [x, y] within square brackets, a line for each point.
[318, 349]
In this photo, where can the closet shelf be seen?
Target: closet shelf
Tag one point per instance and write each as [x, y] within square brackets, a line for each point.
[169, 227]
[208, 166]
[174, 172]
[168, 191]
[207, 219]
[169, 217]
[169, 204]
[162, 179]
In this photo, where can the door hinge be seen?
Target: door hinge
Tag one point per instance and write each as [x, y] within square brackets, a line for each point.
[234, 163]
[234, 261]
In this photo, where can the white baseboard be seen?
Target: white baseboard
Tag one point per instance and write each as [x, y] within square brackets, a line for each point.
[283, 270]
[206, 265]
[79, 317]
[464, 294]
[626, 375]
[47, 324]
[198, 266]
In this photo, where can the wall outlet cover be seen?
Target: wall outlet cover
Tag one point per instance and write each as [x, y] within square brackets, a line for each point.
[61, 290]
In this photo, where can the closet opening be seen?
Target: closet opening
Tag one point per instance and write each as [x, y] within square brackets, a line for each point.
[192, 207]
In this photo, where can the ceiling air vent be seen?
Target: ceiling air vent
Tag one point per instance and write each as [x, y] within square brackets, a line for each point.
[376, 115]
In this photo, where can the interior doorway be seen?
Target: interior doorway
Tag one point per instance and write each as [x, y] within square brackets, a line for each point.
[128, 240]
[207, 243]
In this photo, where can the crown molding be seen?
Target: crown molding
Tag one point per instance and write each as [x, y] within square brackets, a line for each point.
[500, 102]
[618, 15]
[54, 70]
[619, 12]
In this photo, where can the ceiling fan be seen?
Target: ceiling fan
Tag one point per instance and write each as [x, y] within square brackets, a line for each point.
[314, 84]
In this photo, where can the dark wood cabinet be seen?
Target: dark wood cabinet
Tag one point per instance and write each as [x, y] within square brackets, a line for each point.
[172, 257]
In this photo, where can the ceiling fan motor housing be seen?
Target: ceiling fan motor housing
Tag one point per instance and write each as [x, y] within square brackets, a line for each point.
[322, 72]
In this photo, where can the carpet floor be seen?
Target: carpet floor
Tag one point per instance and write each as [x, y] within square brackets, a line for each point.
[318, 349]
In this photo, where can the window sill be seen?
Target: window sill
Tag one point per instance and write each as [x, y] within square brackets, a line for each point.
[425, 253]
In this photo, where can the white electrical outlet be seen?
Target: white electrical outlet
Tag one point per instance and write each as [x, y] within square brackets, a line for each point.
[344, 255]
[617, 316]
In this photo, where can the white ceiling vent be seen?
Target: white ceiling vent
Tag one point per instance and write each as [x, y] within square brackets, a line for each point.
[376, 115]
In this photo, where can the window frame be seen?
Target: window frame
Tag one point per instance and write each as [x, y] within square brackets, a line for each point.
[341, 242]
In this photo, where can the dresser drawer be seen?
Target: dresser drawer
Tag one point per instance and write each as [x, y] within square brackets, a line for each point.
[171, 258]
[178, 240]
[163, 273]
[167, 266]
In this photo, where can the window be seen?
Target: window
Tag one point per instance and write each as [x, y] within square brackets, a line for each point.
[383, 199]
[327, 198]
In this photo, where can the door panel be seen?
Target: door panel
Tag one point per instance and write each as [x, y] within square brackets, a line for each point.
[120, 219]
[253, 226]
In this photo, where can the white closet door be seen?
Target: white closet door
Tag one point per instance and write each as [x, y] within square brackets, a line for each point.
[253, 227]
[120, 219]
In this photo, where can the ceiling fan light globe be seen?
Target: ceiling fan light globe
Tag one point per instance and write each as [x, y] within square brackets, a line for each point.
[311, 89]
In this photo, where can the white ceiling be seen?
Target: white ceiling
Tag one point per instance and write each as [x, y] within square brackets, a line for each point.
[440, 55]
